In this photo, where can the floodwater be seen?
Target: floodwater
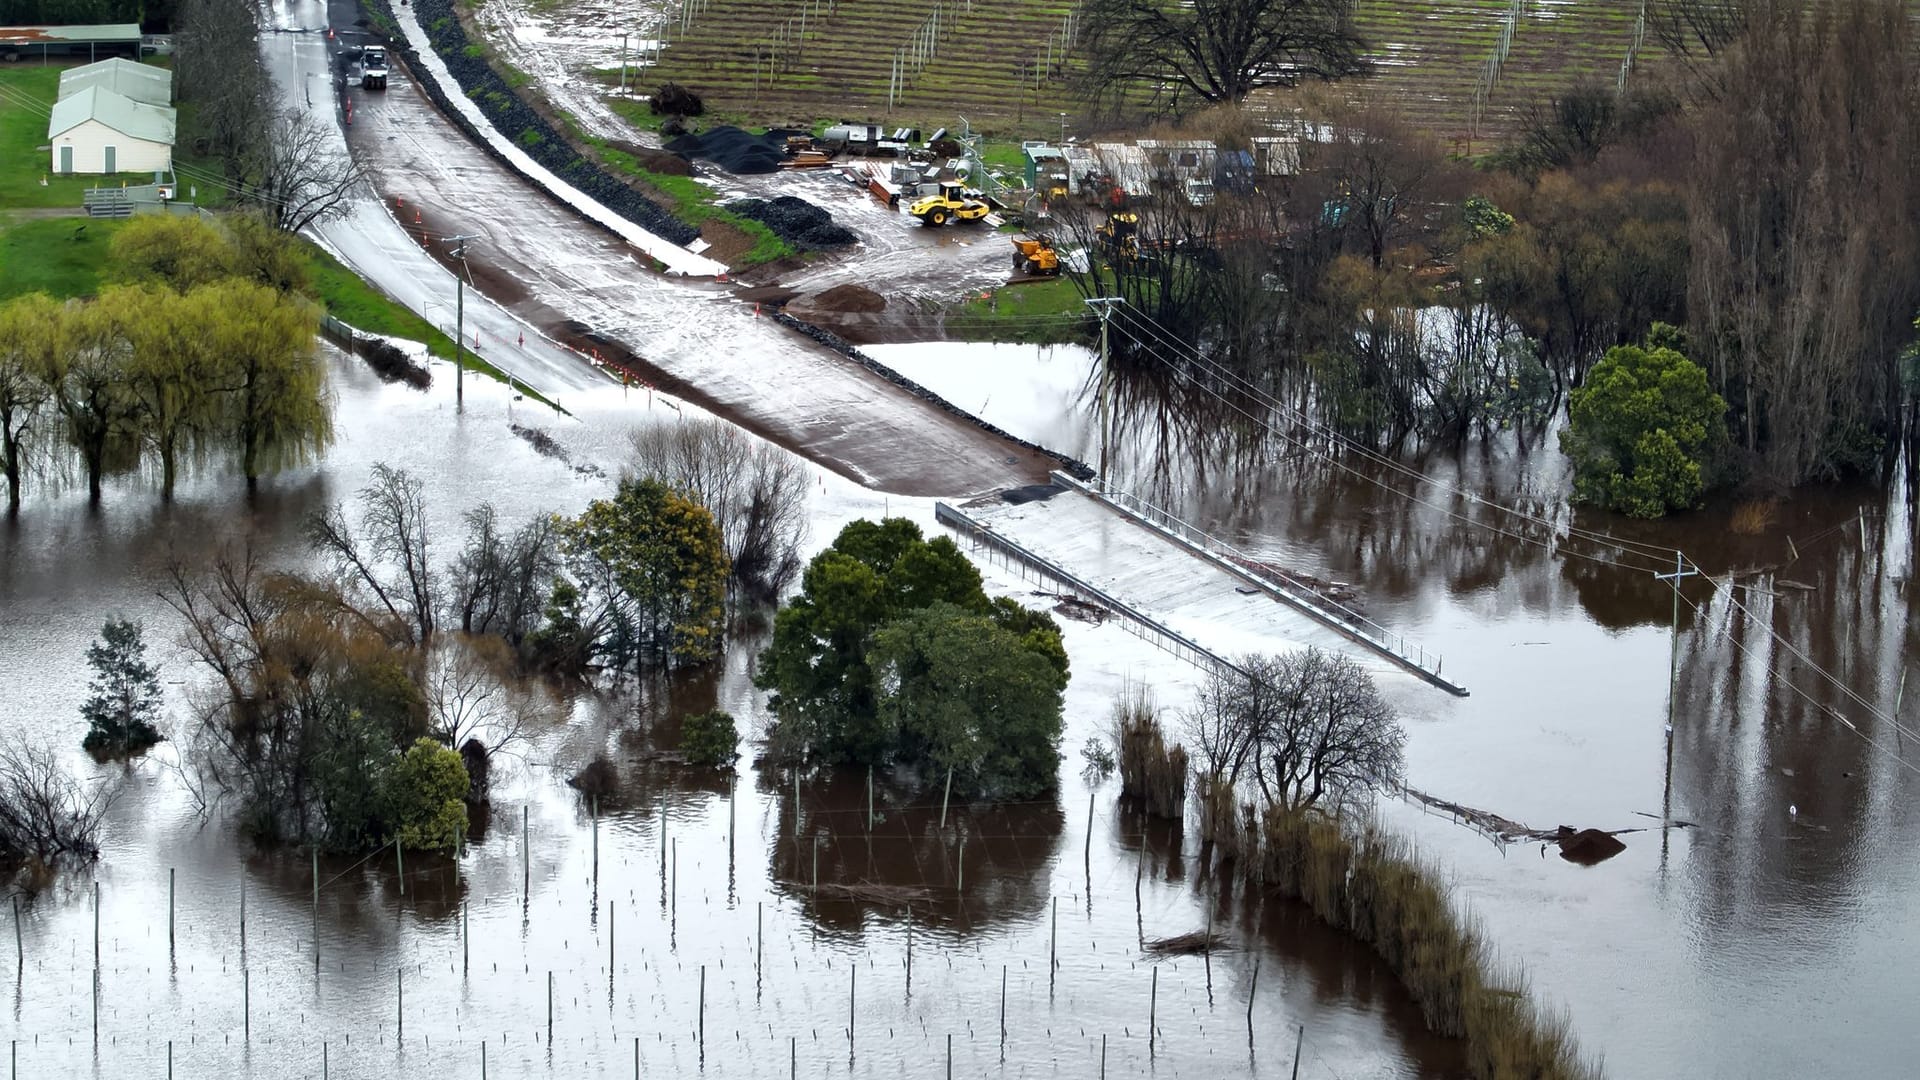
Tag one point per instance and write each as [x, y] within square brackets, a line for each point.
[1777, 936]
[612, 923]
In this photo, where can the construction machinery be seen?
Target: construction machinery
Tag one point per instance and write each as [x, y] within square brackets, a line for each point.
[373, 68]
[1119, 235]
[1035, 257]
[951, 203]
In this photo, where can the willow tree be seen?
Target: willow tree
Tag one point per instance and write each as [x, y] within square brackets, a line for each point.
[170, 374]
[31, 331]
[275, 412]
[92, 391]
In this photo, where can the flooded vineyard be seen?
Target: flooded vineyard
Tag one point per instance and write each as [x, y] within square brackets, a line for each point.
[673, 925]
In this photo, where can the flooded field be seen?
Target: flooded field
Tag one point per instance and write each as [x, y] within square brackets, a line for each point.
[574, 916]
[1776, 936]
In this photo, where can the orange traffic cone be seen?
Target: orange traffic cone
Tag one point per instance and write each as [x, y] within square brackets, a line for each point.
[400, 200]
[721, 277]
[416, 215]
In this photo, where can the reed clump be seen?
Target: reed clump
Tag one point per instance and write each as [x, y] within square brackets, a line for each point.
[1371, 885]
[1150, 770]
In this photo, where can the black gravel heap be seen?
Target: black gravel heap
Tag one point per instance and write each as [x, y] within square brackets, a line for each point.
[1075, 468]
[515, 120]
[796, 221]
[739, 152]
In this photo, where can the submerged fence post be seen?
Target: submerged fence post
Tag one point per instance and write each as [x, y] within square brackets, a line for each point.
[466, 938]
[853, 978]
[759, 937]
[946, 796]
[1252, 989]
[1003, 1005]
[703, 1009]
[1297, 1040]
[170, 909]
[526, 865]
[399, 1004]
[1153, 1005]
[246, 1005]
[316, 911]
[1053, 945]
[400, 866]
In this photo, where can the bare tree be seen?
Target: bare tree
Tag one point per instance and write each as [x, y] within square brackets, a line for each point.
[390, 569]
[46, 814]
[305, 177]
[474, 700]
[1301, 729]
[756, 491]
[500, 582]
[1804, 201]
[1215, 50]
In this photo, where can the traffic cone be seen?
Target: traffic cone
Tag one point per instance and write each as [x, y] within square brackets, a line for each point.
[400, 200]
[721, 277]
[416, 215]
[523, 340]
[756, 309]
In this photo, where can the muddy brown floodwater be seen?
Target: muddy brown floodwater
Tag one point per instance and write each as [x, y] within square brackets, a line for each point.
[576, 917]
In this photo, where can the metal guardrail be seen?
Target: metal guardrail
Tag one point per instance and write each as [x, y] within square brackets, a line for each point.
[1138, 623]
[1344, 620]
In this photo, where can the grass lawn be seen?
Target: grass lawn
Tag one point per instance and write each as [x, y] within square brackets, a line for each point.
[59, 256]
[27, 92]
[349, 298]
[1050, 311]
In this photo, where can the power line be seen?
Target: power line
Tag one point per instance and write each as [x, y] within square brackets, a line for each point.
[1602, 538]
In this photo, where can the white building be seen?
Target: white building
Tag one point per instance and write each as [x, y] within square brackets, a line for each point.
[144, 83]
[99, 131]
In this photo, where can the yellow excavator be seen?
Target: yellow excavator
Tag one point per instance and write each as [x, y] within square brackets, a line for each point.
[1035, 257]
[951, 204]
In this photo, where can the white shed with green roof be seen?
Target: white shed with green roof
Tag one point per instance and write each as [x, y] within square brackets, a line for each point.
[98, 131]
[145, 83]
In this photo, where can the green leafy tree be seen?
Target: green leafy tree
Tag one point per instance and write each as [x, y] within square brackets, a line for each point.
[426, 792]
[174, 250]
[818, 665]
[967, 694]
[1641, 430]
[32, 329]
[93, 391]
[276, 413]
[124, 698]
[170, 373]
[652, 560]
[710, 738]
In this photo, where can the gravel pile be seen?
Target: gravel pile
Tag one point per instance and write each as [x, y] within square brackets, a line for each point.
[741, 153]
[517, 121]
[796, 221]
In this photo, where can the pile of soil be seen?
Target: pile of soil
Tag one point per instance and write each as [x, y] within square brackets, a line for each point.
[652, 159]
[850, 299]
[796, 221]
[739, 152]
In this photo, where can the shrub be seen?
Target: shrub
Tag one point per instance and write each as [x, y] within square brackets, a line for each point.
[672, 99]
[1641, 430]
[710, 738]
[426, 796]
[1150, 770]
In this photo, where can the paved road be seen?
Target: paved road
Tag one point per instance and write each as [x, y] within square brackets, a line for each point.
[368, 239]
[573, 279]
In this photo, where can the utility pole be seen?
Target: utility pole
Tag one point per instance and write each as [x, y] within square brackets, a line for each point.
[623, 65]
[459, 321]
[1104, 305]
[1680, 571]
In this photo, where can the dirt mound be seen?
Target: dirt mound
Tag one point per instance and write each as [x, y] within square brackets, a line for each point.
[739, 152]
[1587, 846]
[652, 159]
[848, 298]
[796, 221]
